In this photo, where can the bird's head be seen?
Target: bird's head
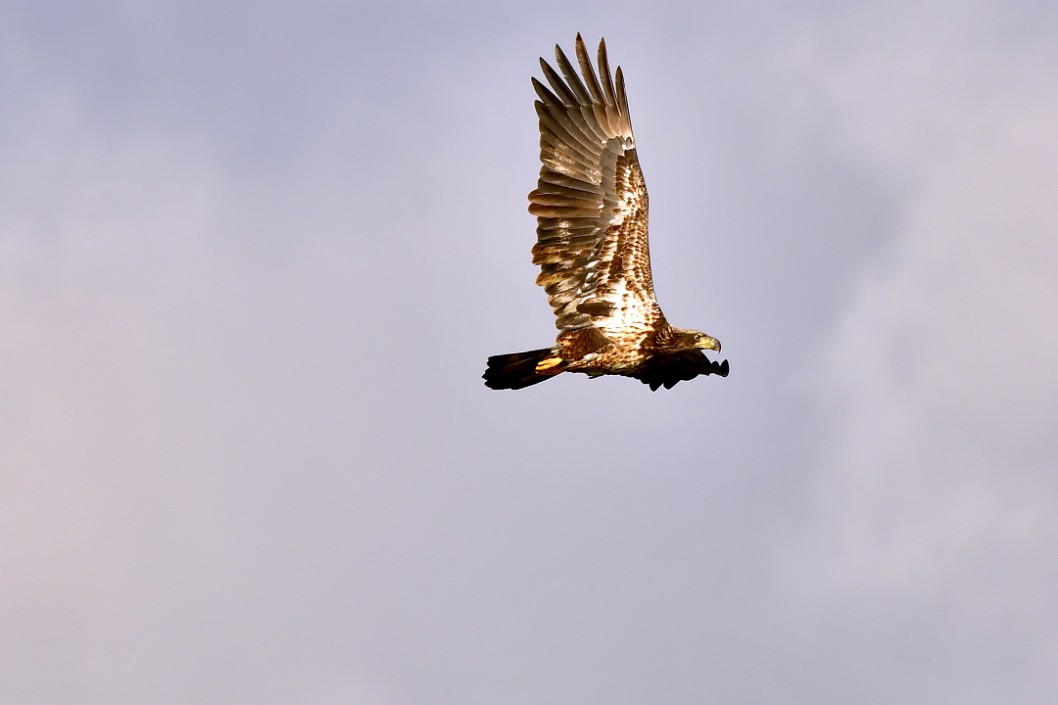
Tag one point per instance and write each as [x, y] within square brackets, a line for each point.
[697, 340]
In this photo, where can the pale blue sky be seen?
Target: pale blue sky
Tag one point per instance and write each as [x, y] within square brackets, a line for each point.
[253, 257]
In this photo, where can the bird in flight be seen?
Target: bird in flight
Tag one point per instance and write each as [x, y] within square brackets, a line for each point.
[591, 211]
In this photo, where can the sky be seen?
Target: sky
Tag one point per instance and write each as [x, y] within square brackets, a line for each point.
[253, 257]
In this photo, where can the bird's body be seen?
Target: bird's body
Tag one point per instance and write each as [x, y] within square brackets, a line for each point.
[591, 206]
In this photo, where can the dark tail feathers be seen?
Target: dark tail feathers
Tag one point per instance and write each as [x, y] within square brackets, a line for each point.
[518, 370]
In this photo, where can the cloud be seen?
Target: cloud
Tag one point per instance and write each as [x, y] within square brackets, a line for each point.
[941, 368]
[937, 493]
[250, 269]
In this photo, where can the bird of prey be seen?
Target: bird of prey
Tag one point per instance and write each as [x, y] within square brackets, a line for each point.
[591, 210]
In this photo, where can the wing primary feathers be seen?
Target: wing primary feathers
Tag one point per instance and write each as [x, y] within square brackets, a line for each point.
[572, 121]
[556, 119]
[604, 70]
[546, 96]
[554, 230]
[588, 122]
[584, 119]
[544, 198]
[560, 141]
[562, 211]
[572, 79]
[579, 184]
[622, 97]
[589, 72]
[558, 85]
[565, 159]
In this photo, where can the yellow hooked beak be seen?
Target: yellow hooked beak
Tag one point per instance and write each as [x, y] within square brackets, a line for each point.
[708, 343]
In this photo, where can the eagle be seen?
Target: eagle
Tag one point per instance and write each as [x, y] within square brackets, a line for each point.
[591, 211]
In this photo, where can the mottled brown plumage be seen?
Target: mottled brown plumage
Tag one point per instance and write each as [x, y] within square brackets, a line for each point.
[591, 210]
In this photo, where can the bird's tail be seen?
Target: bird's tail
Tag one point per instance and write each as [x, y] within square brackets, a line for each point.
[520, 370]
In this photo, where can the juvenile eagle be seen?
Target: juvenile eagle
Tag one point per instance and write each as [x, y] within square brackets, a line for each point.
[591, 212]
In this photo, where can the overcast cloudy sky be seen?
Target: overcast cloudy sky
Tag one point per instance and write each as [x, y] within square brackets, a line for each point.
[253, 257]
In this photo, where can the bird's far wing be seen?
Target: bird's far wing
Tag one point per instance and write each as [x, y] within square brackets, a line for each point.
[591, 200]
[670, 370]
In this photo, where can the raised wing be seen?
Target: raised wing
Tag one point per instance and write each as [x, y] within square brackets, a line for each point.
[591, 200]
[670, 370]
